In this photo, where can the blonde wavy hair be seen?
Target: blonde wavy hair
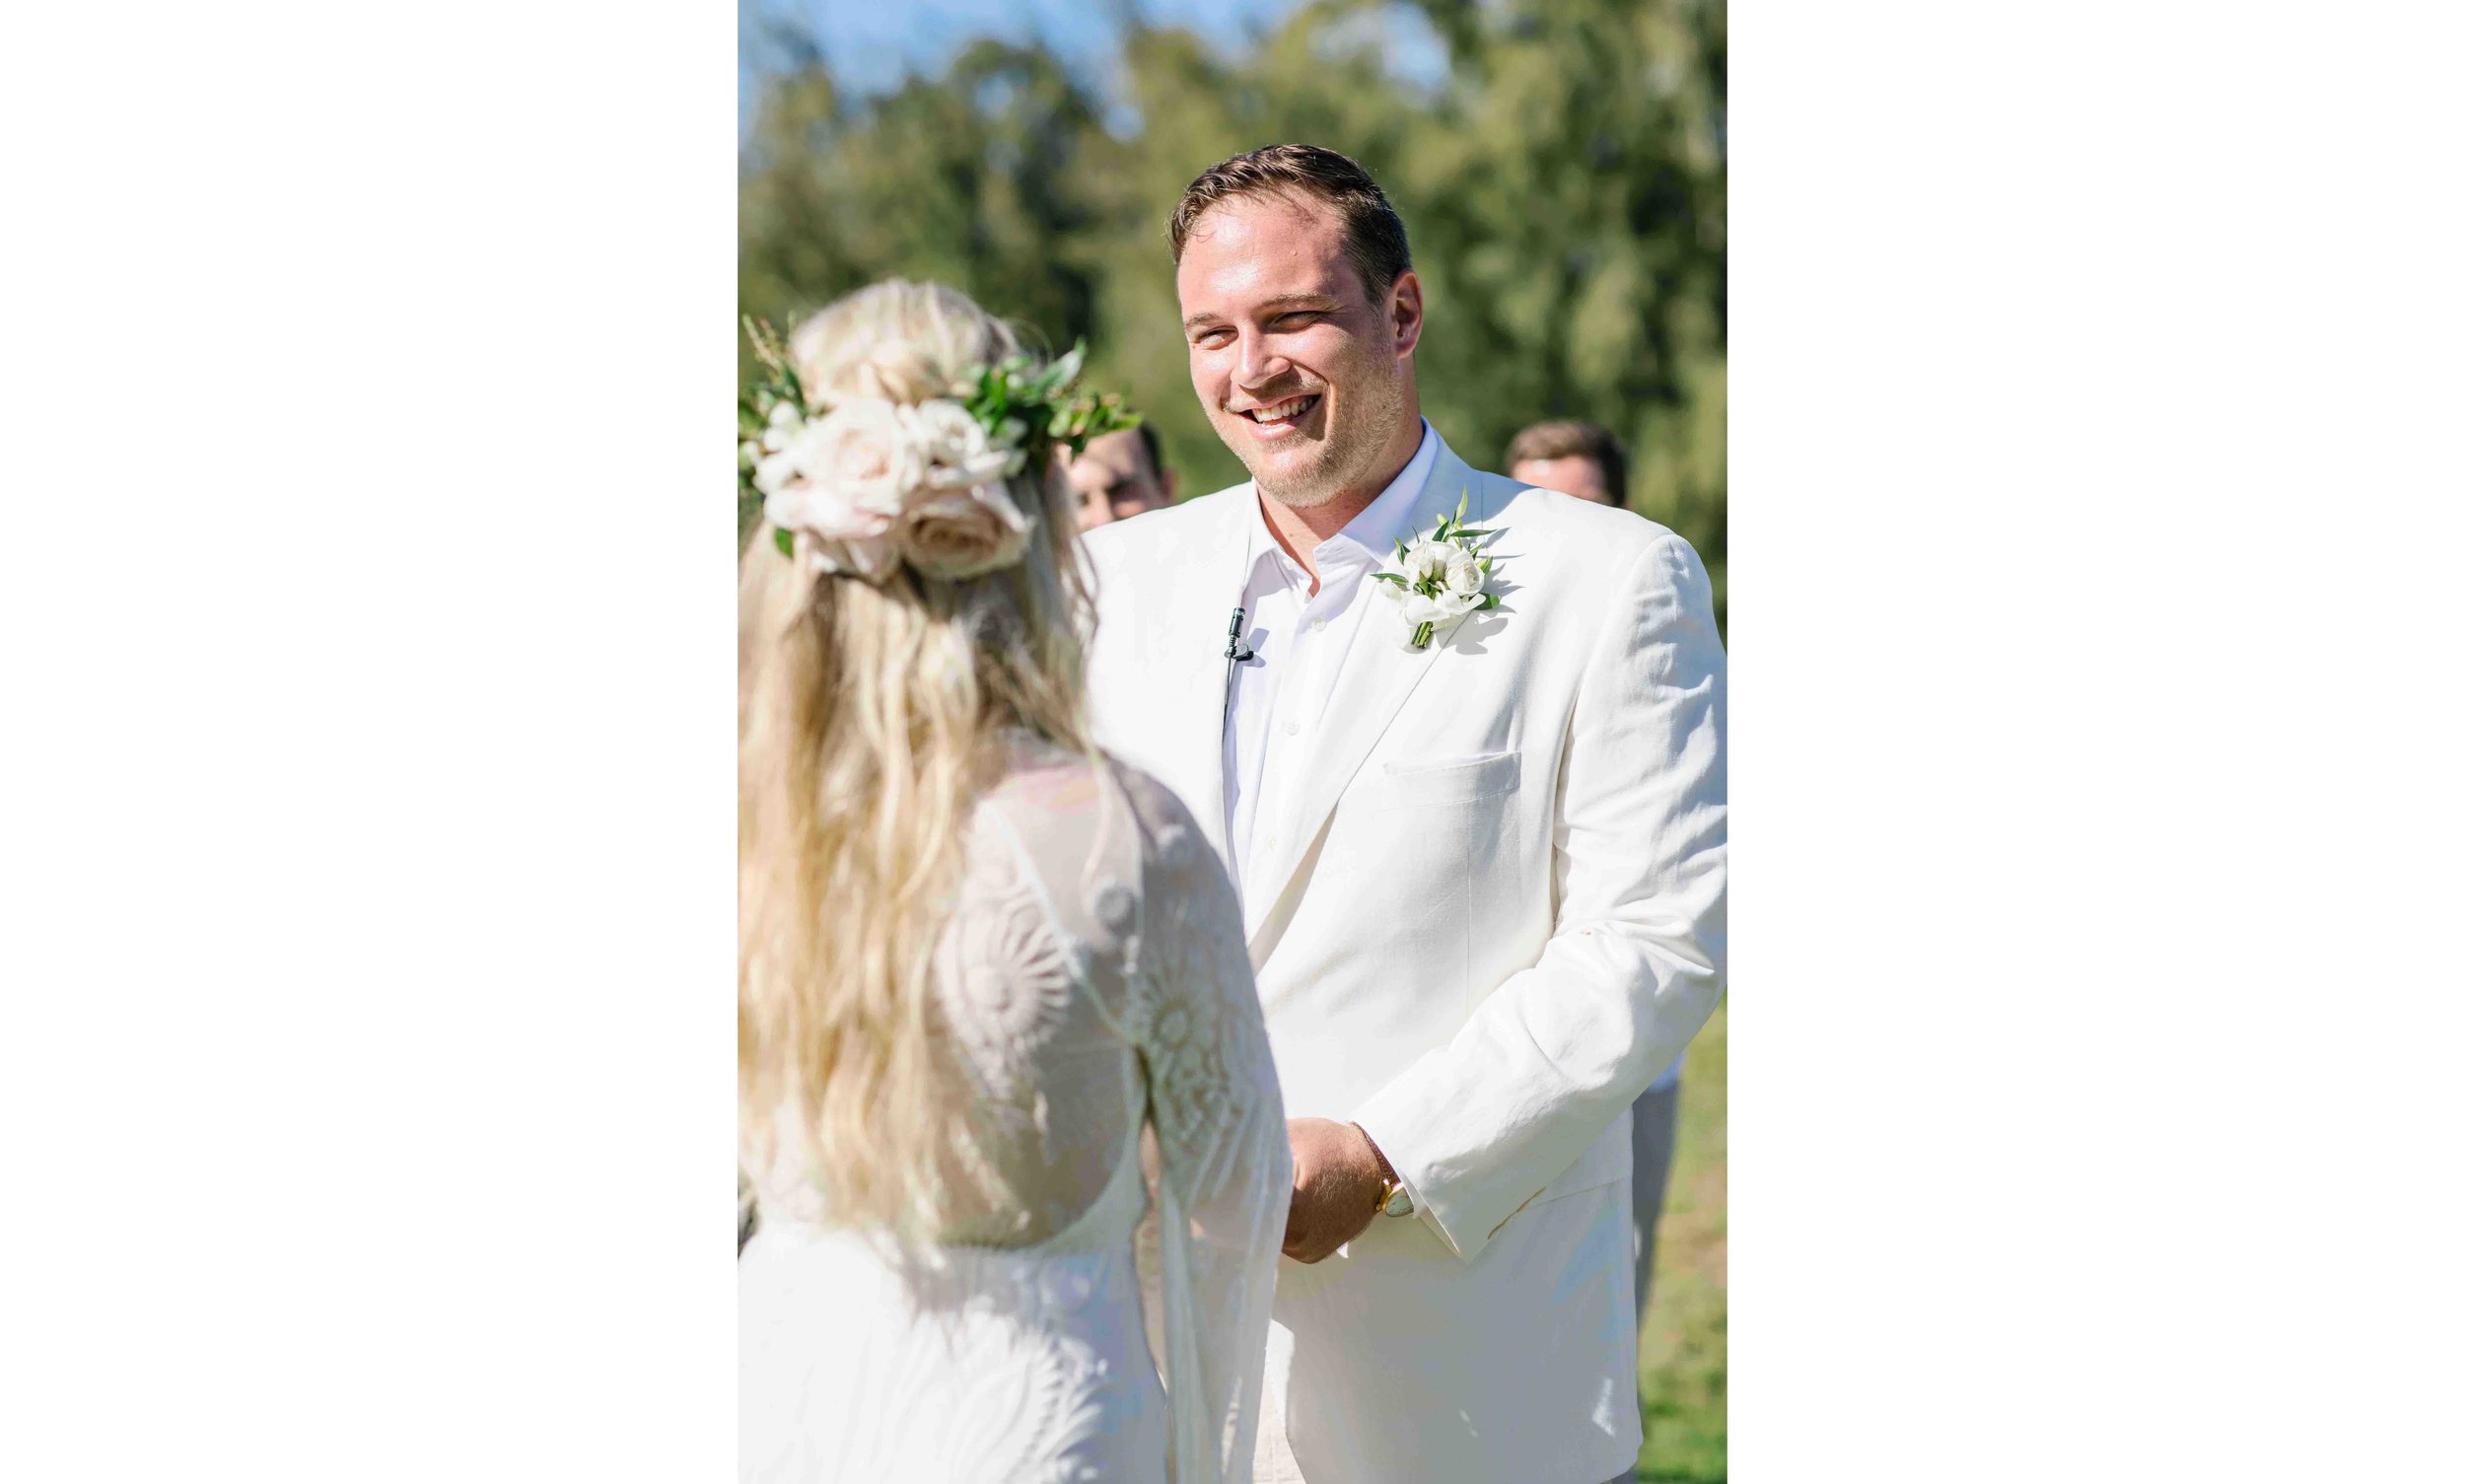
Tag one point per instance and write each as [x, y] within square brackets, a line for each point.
[869, 718]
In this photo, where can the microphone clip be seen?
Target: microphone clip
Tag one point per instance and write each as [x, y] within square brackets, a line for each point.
[1234, 649]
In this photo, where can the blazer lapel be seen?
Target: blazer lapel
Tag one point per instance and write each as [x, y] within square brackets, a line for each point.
[1191, 664]
[1379, 676]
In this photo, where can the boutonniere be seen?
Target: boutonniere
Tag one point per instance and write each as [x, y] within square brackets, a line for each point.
[1444, 576]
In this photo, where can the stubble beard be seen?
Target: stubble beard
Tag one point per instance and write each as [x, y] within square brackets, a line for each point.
[1339, 465]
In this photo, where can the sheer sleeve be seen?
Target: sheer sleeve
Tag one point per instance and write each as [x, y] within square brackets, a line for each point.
[1225, 1176]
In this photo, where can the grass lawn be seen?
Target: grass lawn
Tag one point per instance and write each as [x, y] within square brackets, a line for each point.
[1685, 1339]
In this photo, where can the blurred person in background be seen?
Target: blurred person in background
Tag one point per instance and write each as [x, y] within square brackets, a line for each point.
[1120, 476]
[1578, 459]
[1471, 790]
[1585, 460]
[978, 958]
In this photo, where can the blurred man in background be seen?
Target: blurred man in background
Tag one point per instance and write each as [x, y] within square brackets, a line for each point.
[1573, 457]
[1120, 476]
[1585, 459]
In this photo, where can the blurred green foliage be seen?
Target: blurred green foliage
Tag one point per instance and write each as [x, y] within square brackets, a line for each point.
[1684, 1347]
[1564, 187]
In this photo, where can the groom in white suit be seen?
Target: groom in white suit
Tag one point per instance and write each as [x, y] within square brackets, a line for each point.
[1483, 879]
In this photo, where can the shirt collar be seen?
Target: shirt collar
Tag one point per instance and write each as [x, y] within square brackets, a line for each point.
[1371, 533]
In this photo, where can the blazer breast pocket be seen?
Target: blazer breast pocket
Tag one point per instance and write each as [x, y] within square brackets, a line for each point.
[1422, 782]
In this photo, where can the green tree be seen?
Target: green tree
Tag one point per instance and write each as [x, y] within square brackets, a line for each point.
[1563, 183]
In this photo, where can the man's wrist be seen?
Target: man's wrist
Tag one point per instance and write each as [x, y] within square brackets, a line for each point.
[1386, 1172]
[1390, 1184]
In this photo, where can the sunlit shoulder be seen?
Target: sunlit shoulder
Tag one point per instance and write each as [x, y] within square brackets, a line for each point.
[1193, 526]
[1568, 534]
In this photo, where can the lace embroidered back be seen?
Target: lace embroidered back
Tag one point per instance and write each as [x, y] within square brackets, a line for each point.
[1094, 982]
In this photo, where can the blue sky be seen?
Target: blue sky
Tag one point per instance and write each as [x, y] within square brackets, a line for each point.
[872, 45]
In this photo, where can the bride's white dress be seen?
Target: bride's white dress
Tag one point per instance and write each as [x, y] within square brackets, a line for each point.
[1093, 982]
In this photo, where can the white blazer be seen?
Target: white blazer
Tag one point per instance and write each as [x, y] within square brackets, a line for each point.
[1501, 915]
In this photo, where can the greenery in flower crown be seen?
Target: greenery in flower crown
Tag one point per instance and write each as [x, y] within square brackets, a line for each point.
[1032, 410]
[778, 386]
[1021, 405]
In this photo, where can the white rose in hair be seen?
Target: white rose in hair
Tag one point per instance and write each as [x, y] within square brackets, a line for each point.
[824, 511]
[961, 533]
[782, 420]
[862, 450]
[956, 452]
[832, 535]
[837, 482]
[776, 470]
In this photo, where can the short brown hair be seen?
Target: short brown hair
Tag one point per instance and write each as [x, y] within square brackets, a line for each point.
[1565, 438]
[1373, 235]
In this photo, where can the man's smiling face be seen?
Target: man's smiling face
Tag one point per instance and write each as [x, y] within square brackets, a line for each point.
[1305, 377]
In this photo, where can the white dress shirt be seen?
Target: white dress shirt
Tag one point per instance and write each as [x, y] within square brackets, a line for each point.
[1301, 638]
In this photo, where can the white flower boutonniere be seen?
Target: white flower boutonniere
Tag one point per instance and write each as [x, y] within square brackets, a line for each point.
[1444, 576]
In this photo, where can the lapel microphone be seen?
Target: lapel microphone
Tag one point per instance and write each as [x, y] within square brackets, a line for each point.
[1235, 652]
[1233, 649]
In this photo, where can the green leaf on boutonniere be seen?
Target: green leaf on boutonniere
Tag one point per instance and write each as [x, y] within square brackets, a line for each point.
[1389, 577]
[784, 539]
[1488, 601]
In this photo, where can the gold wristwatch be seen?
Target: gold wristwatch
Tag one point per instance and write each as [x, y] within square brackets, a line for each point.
[1393, 1198]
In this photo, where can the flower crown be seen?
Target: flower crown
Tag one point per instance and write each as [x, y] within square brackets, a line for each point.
[858, 485]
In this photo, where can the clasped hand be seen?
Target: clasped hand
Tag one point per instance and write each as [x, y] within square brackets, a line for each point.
[1336, 1176]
